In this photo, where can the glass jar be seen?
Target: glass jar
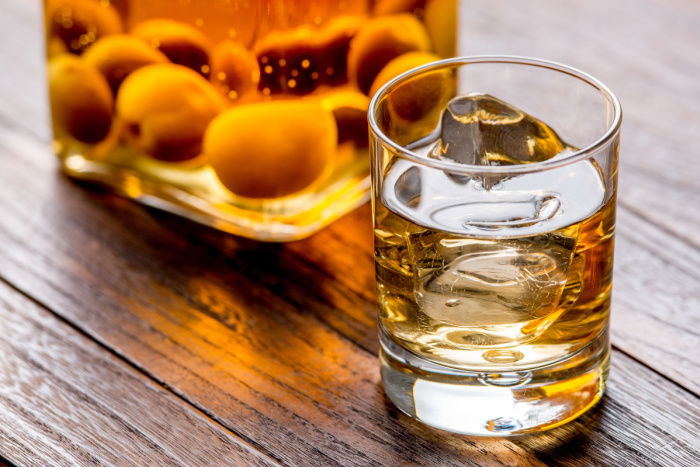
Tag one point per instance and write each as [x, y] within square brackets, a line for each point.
[245, 115]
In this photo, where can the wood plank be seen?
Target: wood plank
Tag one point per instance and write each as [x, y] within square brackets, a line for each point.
[313, 274]
[323, 274]
[273, 371]
[633, 391]
[250, 360]
[656, 299]
[202, 325]
[644, 182]
[65, 400]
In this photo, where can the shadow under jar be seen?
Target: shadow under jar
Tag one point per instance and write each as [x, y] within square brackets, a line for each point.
[494, 183]
[245, 115]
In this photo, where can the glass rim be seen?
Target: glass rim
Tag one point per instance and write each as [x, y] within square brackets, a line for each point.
[467, 169]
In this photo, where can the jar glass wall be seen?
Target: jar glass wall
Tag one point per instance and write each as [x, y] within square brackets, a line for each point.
[246, 115]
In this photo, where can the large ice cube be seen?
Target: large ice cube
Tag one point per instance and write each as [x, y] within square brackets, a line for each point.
[484, 283]
[479, 129]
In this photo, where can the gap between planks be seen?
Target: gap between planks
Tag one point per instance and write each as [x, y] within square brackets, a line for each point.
[655, 371]
[211, 417]
[140, 370]
[672, 385]
[530, 443]
[363, 298]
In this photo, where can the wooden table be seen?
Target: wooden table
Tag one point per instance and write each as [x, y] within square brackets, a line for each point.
[130, 336]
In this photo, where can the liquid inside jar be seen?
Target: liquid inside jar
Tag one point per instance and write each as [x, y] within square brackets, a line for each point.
[247, 115]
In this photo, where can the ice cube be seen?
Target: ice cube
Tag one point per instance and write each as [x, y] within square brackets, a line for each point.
[479, 129]
[487, 283]
[408, 187]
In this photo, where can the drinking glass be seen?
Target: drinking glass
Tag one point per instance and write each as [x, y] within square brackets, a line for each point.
[494, 183]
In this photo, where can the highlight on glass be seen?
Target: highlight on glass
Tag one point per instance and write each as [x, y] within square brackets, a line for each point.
[494, 189]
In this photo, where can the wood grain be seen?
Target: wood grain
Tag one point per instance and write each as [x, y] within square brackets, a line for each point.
[276, 343]
[245, 356]
[645, 198]
[643, 393]
[656, 300]
[65, 400]
[276, 371]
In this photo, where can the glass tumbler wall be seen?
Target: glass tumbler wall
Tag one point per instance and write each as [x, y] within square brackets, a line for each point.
[494, 188]
[247, 115]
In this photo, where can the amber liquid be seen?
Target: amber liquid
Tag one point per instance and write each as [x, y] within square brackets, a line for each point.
[150, 140]
[516, 299]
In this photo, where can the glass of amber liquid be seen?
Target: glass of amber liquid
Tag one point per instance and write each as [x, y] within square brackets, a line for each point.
[246, 115]
[494, 183]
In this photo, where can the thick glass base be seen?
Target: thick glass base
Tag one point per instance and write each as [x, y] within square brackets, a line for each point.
[492, 403]
[195, 193]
